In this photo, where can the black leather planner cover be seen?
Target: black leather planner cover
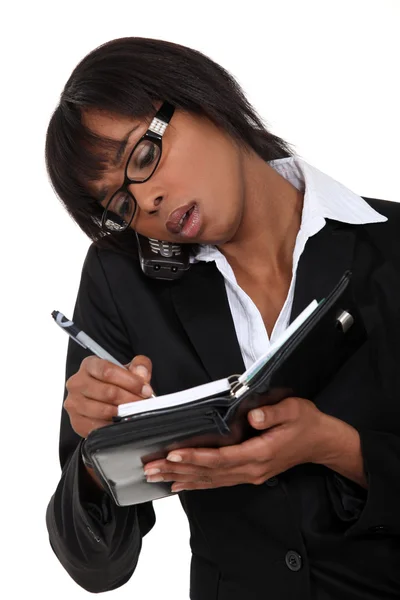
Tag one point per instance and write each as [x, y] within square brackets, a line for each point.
[302, 366]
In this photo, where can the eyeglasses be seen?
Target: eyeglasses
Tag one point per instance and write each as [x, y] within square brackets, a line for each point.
[140, 166]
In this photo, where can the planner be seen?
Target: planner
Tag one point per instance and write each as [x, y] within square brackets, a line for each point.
[300, 363]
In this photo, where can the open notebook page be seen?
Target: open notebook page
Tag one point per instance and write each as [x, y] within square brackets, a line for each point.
[190, 395]
[214, 387]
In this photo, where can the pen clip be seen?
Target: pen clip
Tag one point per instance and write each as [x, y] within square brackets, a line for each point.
[65, 324]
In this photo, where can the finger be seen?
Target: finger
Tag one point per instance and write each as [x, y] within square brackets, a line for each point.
[103, 370]
[255, 450]
[201, 475]
[188, 486]
[142, 366]
[181, 477]
[110, 393]
[91, 409]
[202, 457]
[225, 457]
[248, 473]
[266, 417]
[154, 470]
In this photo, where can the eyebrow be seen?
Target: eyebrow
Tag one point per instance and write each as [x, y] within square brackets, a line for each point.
[103, 192]
[122, 146]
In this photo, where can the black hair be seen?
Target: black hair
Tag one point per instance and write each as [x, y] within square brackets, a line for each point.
[128, 76]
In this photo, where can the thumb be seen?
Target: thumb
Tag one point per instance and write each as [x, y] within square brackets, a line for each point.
[142, 366]
[268, 416]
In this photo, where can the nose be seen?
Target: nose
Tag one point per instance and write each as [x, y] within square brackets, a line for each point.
[148, 199]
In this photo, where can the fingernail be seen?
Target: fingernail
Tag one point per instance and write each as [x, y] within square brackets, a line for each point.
[174, 457]
[141, 371]
[177, 488]
[146, 391]
[155, 479]
[152, 472]
[257, 416]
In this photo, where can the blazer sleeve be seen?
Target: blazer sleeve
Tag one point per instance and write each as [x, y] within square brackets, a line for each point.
[96, 541]
[380, 514]
[375, 511]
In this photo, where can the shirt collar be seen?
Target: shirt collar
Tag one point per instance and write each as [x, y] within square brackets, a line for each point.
[324, 198]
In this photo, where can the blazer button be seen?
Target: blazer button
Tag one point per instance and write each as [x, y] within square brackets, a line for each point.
[272, 482]
[293, 560]
[378, 529]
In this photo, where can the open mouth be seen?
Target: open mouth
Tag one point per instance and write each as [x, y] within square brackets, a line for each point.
[186, 217]
[182, 220]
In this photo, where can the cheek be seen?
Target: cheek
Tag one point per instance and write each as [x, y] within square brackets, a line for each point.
[201, 164]
[214, 179]
[223, 185]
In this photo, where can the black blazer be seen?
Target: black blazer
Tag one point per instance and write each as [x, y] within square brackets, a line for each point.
[306, 534]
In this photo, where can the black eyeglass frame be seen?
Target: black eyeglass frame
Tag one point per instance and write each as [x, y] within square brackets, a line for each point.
[154, 134]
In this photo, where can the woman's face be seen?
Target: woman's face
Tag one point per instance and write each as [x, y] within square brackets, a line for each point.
[200, 167]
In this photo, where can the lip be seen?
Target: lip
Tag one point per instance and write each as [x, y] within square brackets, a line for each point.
[173, 220]
[192, 225]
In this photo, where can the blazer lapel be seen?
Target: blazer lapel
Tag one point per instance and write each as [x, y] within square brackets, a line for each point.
[326, 257]
[202, 306]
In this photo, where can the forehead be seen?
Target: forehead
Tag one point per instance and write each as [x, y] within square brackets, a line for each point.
[110, 125]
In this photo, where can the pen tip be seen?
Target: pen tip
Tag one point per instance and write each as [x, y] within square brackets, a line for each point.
[54, 313]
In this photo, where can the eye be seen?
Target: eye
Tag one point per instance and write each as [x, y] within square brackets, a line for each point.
[146, 155]
[143, 161]
[122, 205]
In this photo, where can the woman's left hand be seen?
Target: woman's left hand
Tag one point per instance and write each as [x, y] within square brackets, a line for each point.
[296, 432]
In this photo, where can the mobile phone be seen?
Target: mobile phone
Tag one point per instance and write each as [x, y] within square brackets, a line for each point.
[162, 260]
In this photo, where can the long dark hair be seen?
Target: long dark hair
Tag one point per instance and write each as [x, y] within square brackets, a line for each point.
[127, 76]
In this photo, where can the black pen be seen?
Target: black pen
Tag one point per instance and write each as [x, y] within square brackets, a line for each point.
[82, 338]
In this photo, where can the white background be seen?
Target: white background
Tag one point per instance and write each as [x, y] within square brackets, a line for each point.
[323, 74]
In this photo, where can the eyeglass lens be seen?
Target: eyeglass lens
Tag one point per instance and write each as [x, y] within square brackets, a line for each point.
[141, 166]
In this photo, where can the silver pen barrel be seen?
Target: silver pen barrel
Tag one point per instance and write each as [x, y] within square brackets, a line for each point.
[96, 349]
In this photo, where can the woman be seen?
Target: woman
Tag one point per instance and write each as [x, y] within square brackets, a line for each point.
[308, 509]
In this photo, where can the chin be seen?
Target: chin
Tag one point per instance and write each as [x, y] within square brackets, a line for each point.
[218, 238]
[211, 241]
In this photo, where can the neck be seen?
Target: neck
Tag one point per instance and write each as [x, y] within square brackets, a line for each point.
[272, 207]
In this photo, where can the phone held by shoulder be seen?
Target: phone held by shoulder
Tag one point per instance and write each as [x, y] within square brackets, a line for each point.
[162, 260]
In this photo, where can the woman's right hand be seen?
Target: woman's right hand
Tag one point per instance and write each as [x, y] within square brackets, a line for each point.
[96, 390]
